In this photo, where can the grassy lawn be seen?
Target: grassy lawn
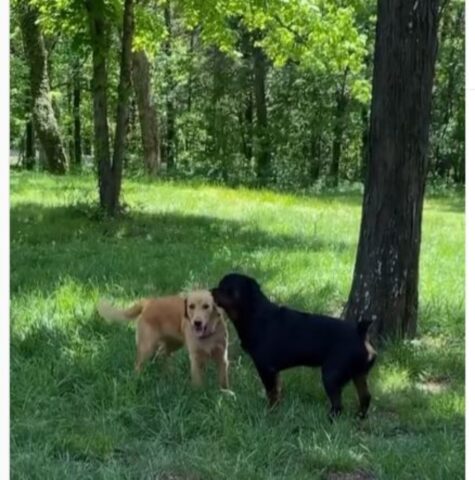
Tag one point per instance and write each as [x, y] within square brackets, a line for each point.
[79, 412]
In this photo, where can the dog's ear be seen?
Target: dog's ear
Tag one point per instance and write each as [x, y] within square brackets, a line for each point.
[185, 302]
[217, 310]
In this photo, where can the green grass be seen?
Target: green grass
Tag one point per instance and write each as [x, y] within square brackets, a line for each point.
[78, 411]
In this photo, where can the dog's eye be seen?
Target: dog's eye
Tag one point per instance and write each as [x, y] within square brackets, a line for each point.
[205, 306]
[192, 306]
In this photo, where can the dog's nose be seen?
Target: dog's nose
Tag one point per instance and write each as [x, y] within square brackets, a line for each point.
[198, 324]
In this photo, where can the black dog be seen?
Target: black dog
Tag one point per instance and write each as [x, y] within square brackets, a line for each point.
[278, 337]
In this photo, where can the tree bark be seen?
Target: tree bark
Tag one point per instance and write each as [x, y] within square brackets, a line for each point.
[70, 126]
[29, 158]
[110, 173]
[247, 81]
[123, 99]
[315, 155]
[169, 149]
[385, 280]
[364, 143]
[44, 119]
[99, 42]
[247, 127]
[77, 119]
[262, 143]
[191, 49]
[147, 112]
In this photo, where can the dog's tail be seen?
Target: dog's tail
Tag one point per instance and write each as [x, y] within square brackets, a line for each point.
[362, 327]
[112, 314]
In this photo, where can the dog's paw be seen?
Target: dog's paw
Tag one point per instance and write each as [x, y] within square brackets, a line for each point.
[228, 393]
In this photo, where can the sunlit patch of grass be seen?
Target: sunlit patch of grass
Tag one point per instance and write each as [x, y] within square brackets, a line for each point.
[393, 379]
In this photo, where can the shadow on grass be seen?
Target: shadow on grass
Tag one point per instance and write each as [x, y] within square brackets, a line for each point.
[167, 251]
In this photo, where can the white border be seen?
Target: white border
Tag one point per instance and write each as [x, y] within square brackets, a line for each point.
[469, 238]
[5, 237]
[5, 241]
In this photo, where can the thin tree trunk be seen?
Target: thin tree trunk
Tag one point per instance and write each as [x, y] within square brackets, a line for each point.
[247, 81]
[444, 164]
[248, 121]
[216, 120]
[170, 109]
[29, 159]
[459, 164]
[190, 71]
[70, 134]
[110, 174]
[262, 144]
[123, 99]
[385, 281]
[147, 112]
[77, 119]
[341, 101]
[99, 42]
[315, 155]
[44, 118]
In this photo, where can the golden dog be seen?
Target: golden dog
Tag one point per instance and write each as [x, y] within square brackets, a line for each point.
[165, 324]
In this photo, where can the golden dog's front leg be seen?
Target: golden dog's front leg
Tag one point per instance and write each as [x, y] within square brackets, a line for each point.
[196, 370]
[221, 359]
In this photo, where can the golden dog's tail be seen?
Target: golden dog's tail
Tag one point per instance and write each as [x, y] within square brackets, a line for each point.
[112, 314]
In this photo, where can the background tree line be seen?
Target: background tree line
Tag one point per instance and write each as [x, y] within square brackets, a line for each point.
[259, 93]
[231, 91]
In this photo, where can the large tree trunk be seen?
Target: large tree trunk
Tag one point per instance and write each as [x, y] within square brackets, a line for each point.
[169, 150]
[385, 281]
[147, 112]
[44, 118]
[262, 143]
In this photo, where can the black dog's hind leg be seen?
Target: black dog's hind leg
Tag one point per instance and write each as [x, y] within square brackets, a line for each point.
[364, 396]
[271, 381]
[333, 386]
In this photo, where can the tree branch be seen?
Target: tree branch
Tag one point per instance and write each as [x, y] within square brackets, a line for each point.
[298, 37]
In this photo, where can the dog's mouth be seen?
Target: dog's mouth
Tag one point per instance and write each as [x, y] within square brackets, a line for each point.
[200, 330]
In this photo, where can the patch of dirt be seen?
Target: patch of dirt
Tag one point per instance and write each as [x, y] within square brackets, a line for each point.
[434, 386]
[356, 475]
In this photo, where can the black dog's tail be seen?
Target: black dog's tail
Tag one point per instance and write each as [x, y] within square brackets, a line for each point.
[362, 327]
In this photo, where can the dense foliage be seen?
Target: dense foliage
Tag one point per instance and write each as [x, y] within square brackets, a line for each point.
[244, 92]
